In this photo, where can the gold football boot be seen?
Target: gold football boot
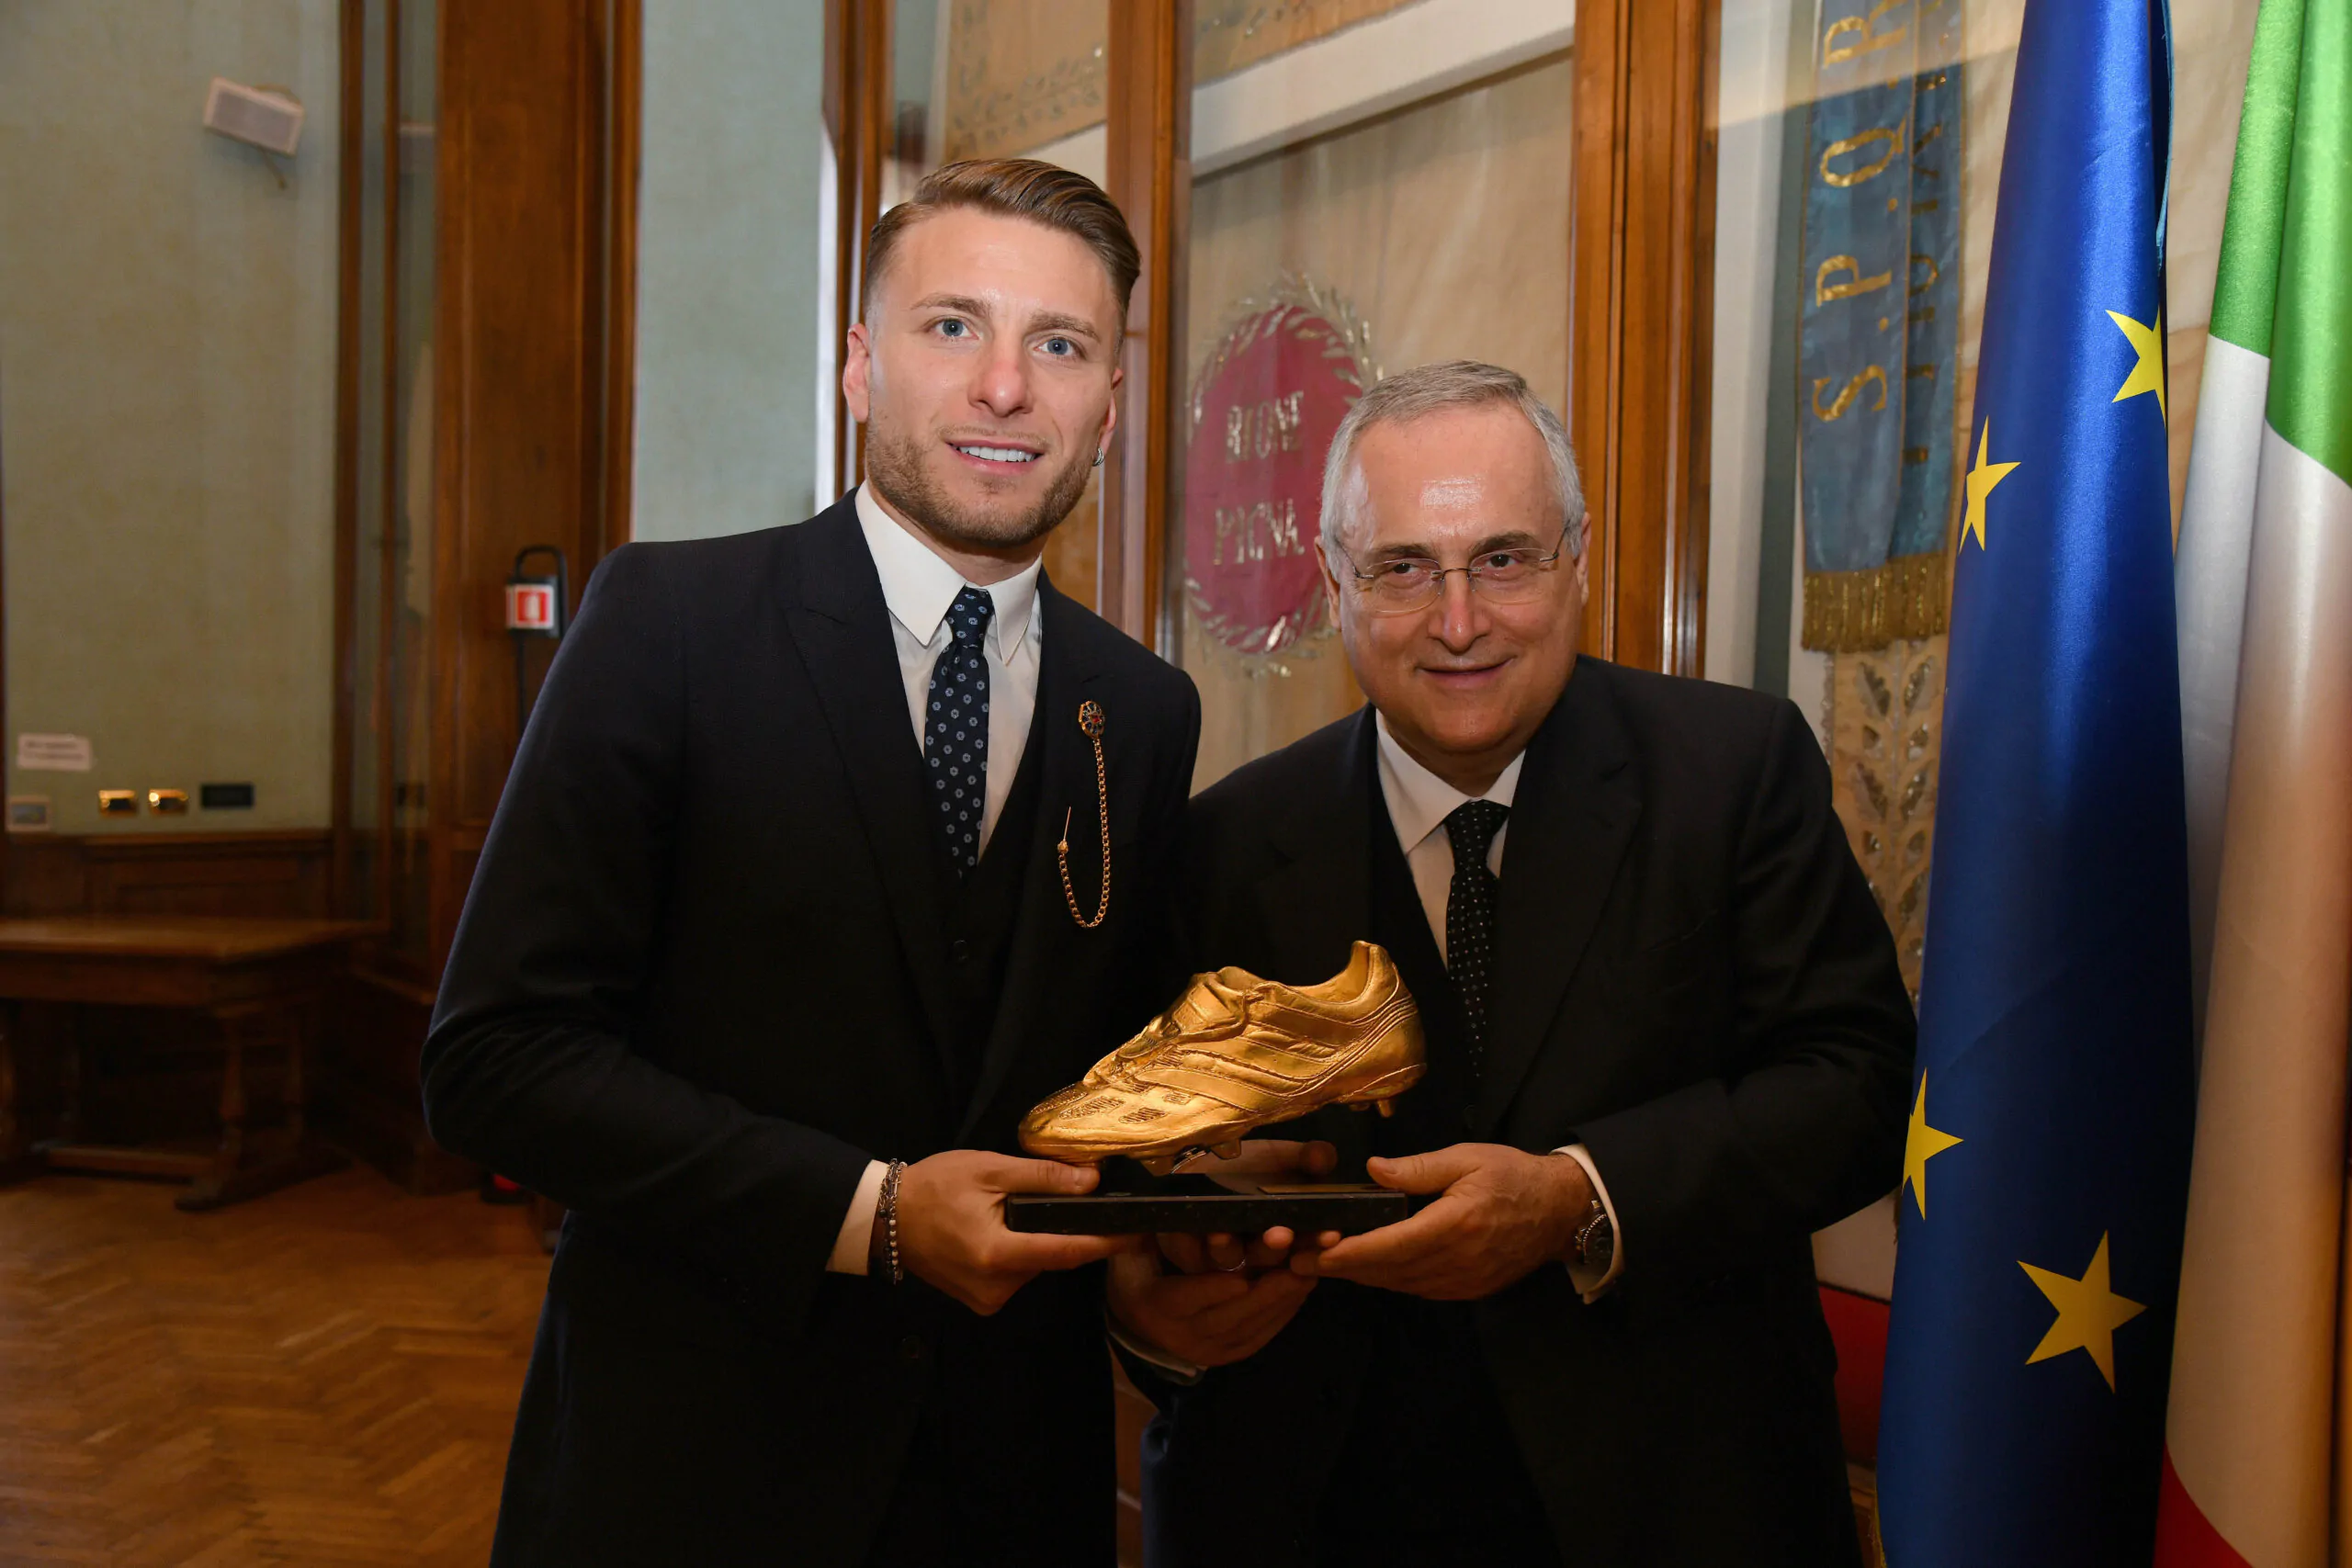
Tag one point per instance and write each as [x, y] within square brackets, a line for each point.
[1233, 1053]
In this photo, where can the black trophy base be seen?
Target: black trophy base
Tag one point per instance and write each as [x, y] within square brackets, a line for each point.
[1131, 1202]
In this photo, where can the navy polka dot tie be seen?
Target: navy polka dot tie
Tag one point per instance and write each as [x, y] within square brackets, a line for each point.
[1470, 916]
[955, 738]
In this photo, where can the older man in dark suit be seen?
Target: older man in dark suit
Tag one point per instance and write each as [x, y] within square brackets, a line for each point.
[1667, 1040]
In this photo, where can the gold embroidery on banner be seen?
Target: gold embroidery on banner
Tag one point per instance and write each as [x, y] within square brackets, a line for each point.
[1315, 314]
[1260, 430]
[1824, 291]
[1887, 801]
[1872, 41]
[1838, 409]
[1855, 143]
[1257, 532]
[1847, 611]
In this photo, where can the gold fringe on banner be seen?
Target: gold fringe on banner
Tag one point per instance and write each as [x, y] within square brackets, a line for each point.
[1858, 612]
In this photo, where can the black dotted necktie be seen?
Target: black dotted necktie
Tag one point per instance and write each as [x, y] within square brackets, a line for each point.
[955, 742]
[1470, 915]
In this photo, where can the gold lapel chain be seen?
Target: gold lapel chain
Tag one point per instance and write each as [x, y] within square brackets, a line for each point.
[1090, 719]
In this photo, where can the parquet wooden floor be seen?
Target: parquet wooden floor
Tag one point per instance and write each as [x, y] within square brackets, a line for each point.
[322, 1376]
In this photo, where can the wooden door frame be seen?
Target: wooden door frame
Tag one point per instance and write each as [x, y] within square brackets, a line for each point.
[510, 408]
[858, 106]
[1641, 321]
[1147, 122]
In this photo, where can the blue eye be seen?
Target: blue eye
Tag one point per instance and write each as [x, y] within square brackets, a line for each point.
[953, 328]
[1060, 346]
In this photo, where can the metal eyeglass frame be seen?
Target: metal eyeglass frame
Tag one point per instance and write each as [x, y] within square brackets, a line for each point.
[1365, 579]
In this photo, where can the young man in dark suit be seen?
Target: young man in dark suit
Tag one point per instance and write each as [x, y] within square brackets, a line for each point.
[770, 947]
[1666, 1040]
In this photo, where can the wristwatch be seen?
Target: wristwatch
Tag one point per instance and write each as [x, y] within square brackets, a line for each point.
[1597, 1239]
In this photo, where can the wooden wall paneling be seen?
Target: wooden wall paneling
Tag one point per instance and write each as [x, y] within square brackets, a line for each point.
[368, 1095]
[390, 568]
[1642, 319]
[520, 454]
[1149, 122]
[593, 213]
[285, 873]
[860, 116]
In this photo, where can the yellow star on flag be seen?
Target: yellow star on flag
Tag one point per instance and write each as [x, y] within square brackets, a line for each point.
[1981, 481]
[2148, 375]
[1923, 1145]
[2088, 1314]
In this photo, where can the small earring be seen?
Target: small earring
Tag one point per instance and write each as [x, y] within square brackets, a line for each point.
[1098, 457]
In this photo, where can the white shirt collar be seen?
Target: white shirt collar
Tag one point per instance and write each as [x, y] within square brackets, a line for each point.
[920, 586]
[1419, 801]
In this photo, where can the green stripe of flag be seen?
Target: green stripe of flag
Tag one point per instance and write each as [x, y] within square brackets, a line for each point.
[2245, 290]
[2310, 374]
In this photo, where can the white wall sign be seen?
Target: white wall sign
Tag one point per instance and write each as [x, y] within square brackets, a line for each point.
[54, 753]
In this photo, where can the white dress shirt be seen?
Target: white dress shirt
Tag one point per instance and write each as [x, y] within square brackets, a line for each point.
[1418, 804]
[919, 586]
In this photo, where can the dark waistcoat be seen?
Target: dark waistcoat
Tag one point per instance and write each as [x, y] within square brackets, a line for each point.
[978, 910]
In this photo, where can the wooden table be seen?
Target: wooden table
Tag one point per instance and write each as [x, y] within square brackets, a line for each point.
[245, 975]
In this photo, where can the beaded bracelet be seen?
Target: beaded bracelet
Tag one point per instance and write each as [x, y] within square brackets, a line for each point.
[889, 1207]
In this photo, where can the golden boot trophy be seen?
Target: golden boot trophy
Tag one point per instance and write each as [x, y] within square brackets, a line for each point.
[1232, 1054]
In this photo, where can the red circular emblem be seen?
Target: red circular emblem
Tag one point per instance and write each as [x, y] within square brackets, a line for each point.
[1265, 410]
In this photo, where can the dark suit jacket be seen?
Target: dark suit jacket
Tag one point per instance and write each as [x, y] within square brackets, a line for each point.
[701, 978]
[1693, 981]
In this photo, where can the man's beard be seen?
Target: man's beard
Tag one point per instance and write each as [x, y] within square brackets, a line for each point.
[894, 464]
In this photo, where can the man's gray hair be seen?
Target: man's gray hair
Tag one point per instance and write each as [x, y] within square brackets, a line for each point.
[1425, 389]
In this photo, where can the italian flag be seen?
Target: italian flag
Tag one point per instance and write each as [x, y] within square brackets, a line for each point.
[2259, 1456]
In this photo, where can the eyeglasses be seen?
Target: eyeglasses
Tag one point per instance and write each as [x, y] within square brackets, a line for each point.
[1407, 583]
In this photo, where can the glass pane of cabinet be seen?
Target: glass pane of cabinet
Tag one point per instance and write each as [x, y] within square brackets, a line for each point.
[1858, 640]
[972, 79]
[1370, 192]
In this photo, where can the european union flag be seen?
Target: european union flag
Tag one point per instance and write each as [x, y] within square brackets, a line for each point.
[2047, 1168]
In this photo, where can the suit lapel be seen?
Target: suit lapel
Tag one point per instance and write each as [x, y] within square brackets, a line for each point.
[1579, 795]
[1069, 673]
[1318, 902]
[842, 629]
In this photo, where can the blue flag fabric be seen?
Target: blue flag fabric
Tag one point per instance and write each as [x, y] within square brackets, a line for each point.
[2046, 1169]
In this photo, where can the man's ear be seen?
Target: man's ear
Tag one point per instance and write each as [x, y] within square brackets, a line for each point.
[1111, 415]
[857, 370]
[1330, 578]
[1584, 577]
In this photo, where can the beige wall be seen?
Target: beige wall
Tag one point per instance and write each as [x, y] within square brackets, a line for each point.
[729, 225]
[1446, 226]
[167, 351]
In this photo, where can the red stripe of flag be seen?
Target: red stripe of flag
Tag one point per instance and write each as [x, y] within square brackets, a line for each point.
[2185, 1537]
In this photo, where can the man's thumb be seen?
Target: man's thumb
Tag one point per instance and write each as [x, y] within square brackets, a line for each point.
[1431, 1172]
[1045, 1175]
